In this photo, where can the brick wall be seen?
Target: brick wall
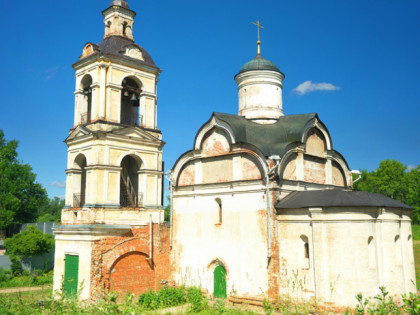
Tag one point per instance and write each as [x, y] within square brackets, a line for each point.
[122, 264]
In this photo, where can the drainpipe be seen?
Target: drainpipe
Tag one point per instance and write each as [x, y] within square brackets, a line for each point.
[168, 176]
[151, 238]
[267, 181]
[357, 173]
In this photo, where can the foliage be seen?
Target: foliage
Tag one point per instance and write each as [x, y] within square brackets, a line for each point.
[20, 194]
[412, 303]
[415, 231]
[166, 297]
[395, 180]
[51, 210]
[29, 243]
[168, 209]
[38, 277]
[196, 299]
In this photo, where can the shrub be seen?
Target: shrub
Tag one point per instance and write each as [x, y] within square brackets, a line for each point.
[166, 297]
[195, 297]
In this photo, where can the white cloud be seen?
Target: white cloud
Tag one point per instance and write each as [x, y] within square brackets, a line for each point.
[58, 184]
[51, 72]
[309, 86]
[410, 167]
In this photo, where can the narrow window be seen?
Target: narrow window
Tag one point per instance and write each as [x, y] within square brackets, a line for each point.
[398, 257]
[220, 211]
[305, 251]
[125, 28]
[371, 252]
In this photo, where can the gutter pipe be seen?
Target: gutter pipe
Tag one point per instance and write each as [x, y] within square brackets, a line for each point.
[267, 181]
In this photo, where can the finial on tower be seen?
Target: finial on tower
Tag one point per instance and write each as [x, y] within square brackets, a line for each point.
[258, 42]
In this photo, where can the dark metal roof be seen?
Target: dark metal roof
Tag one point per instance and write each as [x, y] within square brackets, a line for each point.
[259, 63]
[271, 139]
[121, 3]
[115, 45]
[337, 198]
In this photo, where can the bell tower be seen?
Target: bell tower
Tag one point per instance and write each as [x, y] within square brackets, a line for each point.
[113, 235]
[115, 147]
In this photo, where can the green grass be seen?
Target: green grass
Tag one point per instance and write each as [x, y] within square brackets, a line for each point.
[416, 246]
[30, 295]
[415, 230]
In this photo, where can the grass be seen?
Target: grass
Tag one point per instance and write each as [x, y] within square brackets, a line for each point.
[415, 230]
[416, 246]
[30, 295]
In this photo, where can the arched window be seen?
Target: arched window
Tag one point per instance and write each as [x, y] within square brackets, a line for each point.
[124, 28]
[219, 208]
[79, 193]
[130, 102]
[398, 257]
[129, 195]
[371, 252]
[305, 251]
[86, 101]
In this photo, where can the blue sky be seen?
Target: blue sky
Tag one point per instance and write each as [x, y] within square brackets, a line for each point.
[366, 51]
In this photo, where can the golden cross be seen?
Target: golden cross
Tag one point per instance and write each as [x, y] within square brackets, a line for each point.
[258, 42]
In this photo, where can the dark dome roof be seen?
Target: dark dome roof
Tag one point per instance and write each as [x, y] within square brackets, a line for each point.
[121, 3]
[259, 63]
[115, 45]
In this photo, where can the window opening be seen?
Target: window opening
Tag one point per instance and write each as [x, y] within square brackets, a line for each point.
[86, 106]
[130, 102]
[129, 182]
[80, 195]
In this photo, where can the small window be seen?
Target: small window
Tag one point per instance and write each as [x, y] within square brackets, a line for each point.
[371, 252]
[305, 251]
[220, 211]
[125, 28]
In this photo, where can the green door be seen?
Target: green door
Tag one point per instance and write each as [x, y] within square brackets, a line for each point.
[219, 282]
[71, 275]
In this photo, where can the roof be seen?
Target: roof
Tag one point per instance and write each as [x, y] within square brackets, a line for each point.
[115, 45]
[337, 198]
[259, 63]
[271, 139]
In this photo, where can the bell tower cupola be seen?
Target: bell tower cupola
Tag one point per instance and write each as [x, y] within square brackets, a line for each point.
[119, 19]
[260, 85]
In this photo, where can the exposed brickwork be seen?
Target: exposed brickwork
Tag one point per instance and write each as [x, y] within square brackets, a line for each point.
[121, 264]
[274, 264]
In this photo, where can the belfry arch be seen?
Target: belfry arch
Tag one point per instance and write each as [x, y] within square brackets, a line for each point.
[129, 182]
[86, 100]
[79, 181]
[130, 103]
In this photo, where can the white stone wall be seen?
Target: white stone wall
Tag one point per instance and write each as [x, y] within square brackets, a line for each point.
[239, 243]
[351, 250]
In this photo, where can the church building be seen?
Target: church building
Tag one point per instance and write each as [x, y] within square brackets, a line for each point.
[263, 206]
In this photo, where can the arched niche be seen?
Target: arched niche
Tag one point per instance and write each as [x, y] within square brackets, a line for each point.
[215, 142]
[85, 99]
[338, 176]
[130, 102]
[129, 181]
[315, 142]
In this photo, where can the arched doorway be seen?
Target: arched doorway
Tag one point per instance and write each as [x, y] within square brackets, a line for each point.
[79, 193]
[129, 183]
[130, 102]
[132, 273]
[219, 282]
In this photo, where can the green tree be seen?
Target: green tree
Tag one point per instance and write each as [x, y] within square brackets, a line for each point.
[395, 180]
[29, 243]
[51, 211]
[20, 195]
[168, 209]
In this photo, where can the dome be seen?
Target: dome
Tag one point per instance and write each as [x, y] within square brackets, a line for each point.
[121, 3]
[259, 63]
